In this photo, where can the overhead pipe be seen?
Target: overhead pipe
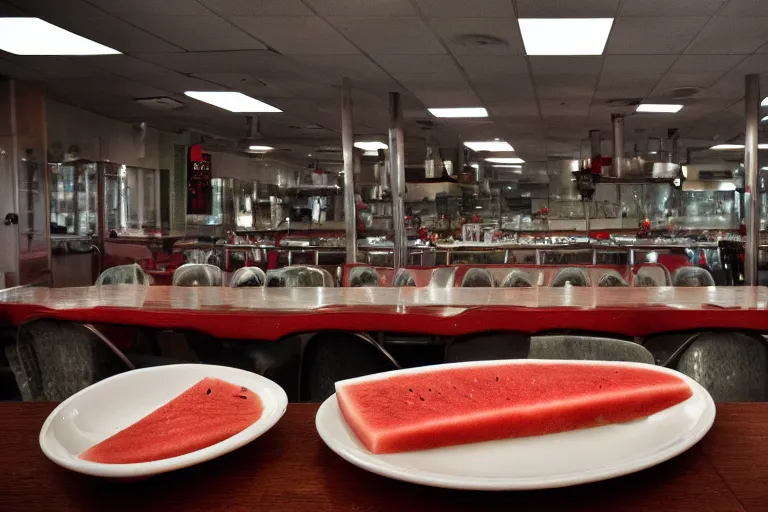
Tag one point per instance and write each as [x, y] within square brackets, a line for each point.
[348, 153]
[617, 120]
[397, 180]
[751, 189]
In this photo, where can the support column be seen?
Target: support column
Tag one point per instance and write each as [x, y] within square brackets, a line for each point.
[397, 179]
[618, 145]
[751, 195]
[348, 151]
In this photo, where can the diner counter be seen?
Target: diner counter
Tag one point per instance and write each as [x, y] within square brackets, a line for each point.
[290, 469]
[272, 313]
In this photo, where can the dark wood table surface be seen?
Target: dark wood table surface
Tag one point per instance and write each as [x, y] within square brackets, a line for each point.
[290, 469]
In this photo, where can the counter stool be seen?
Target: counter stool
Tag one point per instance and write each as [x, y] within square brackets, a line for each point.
[124, 274]
[332, 356]
[197, 274]
[248, 277]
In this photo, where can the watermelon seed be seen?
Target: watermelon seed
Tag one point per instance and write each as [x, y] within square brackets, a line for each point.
[242, 396]
[208, 392]
[430, 390]
[421, 398]
[410, 390]
[497, 379]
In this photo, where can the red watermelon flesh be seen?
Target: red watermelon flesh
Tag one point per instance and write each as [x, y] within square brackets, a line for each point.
[207, 413]
[451, 406]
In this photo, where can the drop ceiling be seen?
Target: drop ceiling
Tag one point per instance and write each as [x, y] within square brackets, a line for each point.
[437, 53]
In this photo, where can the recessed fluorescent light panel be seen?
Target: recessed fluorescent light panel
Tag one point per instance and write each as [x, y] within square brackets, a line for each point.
[565, 36]
[500, 160]
[491, 145]
[659, 108]
[33, 36]
[370, 146]
[261, 148]
[232, 101]
[459, 112]
[507, 166]
[765, 102]
[733, 147]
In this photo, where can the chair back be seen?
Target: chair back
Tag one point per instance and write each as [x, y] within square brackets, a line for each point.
[248, 277]
[574, 276]
[124, 274]
[197, 274]
[693, 277]
[52, 360]
[477, 278]
[364, 277]
[299, 277]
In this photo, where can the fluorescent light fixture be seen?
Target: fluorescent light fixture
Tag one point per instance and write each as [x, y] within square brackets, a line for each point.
[731, 147]
[33, 36]
[764, 120]
[262, 148]
[478, 207]
[459, 112]
[370, 146]
[492, 145]
[659, 108]
[507, 166]
[232, 101]
[765, 102]
[371, 153]
[499, 160]
[565, 36]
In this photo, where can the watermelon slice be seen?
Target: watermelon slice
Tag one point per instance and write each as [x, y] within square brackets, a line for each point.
[207, 413]
[451, 405]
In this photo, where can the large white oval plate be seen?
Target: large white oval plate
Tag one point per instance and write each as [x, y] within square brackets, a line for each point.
[101, 410]
[541, 462]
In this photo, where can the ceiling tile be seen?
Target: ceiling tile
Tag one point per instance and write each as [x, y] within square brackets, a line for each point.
[763, 49]
[438, 98]
[665, 8]
[186, 32]
[105, 88]
[379, 8]
[393, 36]
[653, 36]
[20, 72]
[122, 65]
[60, 67]
[509, 90]
[47, 8]
[243, 82]
[705, 63]
[745, 8]
[416, 63]
[729, 86]
[466, 9]
[176, 82]
[637, 63]
[730, 35]
[115, 33]
[753, 64]
[230, 8]
[566, 86]
[562, 65]
[296, 35]
[169, 7]
[559, 108]
[672, 81]
[513, 109]
[356, 67]
[505, 29]
[567, 8]
[431, 80]
[626, 85]
[489, 64]
[259, 62]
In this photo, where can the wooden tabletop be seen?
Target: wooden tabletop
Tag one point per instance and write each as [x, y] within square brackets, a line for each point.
[273, 313]
[290, 469]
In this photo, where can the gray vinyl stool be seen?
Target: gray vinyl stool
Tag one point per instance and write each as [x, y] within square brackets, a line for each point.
[197, 274]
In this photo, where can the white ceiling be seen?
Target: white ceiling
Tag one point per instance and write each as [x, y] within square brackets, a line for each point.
[293, 53]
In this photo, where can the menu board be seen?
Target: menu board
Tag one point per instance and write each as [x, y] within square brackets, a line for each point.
[199, 191]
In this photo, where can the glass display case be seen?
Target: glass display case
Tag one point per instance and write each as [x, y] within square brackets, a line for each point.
[74, 198]
[131, 198]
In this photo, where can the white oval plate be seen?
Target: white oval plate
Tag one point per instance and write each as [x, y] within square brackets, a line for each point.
[542, 462]
[101, 410]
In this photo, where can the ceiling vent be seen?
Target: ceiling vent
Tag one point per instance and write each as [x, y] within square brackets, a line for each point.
[479, 40]
[161, 103]
[685, 92]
